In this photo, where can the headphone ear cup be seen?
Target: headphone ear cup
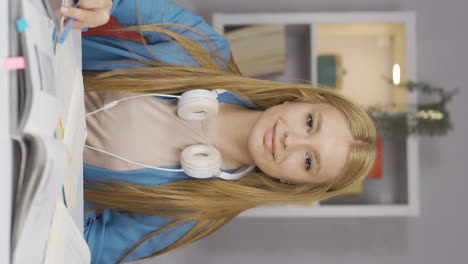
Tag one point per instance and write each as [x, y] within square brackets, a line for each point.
[201, 161]
[197, 105]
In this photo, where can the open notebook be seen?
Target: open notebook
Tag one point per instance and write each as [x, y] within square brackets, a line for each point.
[49, 97]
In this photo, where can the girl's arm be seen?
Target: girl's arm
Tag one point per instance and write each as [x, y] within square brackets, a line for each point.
[98, 51]
[111, 234]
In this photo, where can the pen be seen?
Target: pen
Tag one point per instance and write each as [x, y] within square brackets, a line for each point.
[67, 28]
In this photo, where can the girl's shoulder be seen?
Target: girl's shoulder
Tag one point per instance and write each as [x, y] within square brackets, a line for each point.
[103, 52]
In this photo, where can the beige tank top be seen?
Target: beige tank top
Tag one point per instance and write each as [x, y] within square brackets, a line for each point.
[145, 129]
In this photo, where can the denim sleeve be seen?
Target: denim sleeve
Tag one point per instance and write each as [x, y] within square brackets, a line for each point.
[111, 234]
[105, 52]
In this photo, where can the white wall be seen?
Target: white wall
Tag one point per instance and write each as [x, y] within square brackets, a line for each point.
[365, 63]
[440, 235]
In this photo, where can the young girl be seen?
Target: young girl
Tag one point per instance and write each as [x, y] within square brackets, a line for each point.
[306, 143]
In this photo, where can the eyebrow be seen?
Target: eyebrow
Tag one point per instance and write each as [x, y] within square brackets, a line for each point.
[316, 154]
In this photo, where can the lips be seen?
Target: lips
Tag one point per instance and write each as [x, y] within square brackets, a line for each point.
[269, 140]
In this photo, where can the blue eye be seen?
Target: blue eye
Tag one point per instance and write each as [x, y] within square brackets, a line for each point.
[308, 162]
[310, 122]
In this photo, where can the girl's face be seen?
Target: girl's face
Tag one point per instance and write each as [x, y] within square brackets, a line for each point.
[300, 142]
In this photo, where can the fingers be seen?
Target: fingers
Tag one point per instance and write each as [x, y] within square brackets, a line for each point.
[76, 24]
[85, 17]
[92, 13]
[95, 4]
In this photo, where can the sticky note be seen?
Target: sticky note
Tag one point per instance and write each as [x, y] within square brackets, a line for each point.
[21, 24]
[14, 63]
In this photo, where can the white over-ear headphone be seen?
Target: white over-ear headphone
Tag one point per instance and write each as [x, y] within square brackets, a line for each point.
[198, 161]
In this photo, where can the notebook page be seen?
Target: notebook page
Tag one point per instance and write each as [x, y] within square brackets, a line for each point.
[74, 139]
[66, 243]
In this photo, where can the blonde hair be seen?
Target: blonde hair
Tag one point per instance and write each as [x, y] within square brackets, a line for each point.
[214, 202]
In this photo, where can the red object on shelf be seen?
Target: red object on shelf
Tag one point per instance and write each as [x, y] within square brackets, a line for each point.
[108, 30]
[377, 171]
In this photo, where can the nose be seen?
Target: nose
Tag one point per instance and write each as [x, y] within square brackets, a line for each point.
[293, 141]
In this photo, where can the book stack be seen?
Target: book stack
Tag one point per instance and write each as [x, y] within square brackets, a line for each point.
[375, 173]
[259, 50]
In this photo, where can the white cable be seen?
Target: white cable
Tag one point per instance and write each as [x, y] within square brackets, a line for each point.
[133, 162]
[114, 103]
[107, 106]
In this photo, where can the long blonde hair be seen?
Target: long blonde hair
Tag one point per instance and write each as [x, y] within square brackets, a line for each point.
[213, 202]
